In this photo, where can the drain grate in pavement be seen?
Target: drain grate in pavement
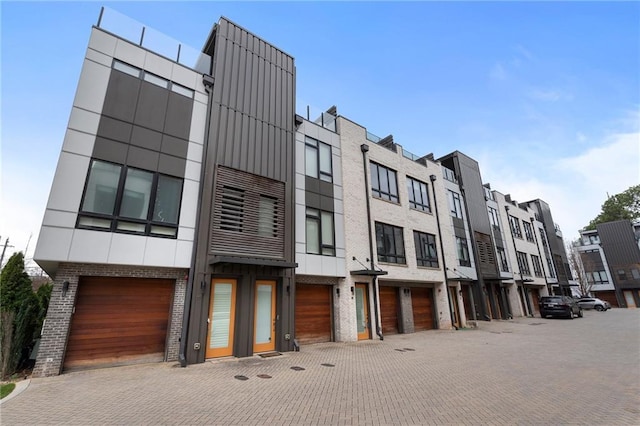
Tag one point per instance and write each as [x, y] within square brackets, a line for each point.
[297, 368]
[264, 376]
[409, 349]
[400, 350]
[327, 365]
[270, 354]
[241, 377]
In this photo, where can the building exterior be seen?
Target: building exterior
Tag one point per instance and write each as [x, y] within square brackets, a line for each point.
[610, 255]
[193, 215]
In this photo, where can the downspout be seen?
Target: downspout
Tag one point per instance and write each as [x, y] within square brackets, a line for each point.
[186, 316]
[444, 262]
[365, 148]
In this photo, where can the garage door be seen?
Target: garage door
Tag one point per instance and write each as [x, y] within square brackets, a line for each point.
[389, 309]
[313, 313]
[119, 321]
[422, 304]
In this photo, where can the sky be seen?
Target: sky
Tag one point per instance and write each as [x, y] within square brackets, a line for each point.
[544, 95]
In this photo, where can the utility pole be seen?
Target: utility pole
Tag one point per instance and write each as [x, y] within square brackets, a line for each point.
[4, 249]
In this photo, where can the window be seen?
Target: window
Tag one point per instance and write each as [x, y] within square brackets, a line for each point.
[514, 223]
[384, 183]
[426, 252]
[318, 160]
[537, 266]
[463, 251]
[597, 277]
[125, 199]
[488, 195]
[454, 204]
[622, 274]
[523, 263]
[552, 272]
[528, 231]
[268, 217]
[418, 195]
[320, 232]
[594, 239]
[390, 243]
[232, 209]
[635, 274]
[502, 257]
[493, 217]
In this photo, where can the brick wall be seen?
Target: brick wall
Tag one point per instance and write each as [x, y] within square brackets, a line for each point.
[56, 328]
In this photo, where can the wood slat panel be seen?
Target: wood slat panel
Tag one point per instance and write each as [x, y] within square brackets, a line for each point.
[313, 313]
[119, 320]
[389, 310]
[422, 304]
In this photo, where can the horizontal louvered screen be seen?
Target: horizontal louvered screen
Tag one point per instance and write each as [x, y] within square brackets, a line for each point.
[248, 215]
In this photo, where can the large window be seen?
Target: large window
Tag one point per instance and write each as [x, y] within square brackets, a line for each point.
[523, 263]
[502, 257]
[454, 204]
[552, 270]
[528, 231]
[320, 232]
[390, 243]
[493, 217]
[537, 266]
[384, 183]
[426, 252]
[597, 277]
[418, 195]
[318, 160]
[124, 199]
[514, 223]
[463, 251]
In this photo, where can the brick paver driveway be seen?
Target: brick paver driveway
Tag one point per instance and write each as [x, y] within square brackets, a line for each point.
[526, 371]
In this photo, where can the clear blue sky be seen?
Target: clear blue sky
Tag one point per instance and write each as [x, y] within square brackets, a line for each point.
[545, 95]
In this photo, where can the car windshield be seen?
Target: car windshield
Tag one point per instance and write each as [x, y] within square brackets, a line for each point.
[552, 299]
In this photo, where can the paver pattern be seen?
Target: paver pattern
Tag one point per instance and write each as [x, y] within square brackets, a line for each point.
[527, 371]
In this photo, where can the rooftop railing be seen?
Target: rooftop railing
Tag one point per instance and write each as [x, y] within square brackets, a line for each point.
[153, 40]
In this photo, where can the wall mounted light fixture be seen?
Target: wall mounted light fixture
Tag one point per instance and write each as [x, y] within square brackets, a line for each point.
[65, 288]
[338, 291]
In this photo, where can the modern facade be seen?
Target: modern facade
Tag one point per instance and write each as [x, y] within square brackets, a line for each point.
[194, 215]
[610, 255]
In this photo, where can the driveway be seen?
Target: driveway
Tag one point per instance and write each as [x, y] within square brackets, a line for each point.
[527, 371]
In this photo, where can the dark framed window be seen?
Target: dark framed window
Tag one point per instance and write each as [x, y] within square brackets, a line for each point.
[455, 206]
[523, 263]
[463, 251]
[514, 223]
[426, 251]
[493, 217]
[537, 266]
[320, 234]
[418, 195]
[119, 198]
[318, 159]
[390, 243]
[528, 231]
[384, 183]
[502, 257]
[552, 270]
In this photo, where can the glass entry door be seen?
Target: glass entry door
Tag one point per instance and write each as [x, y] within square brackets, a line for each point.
[362, 312]
[265, 317]
[221, 318]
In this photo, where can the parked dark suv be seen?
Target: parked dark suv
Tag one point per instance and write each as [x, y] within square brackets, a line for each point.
[559, 306]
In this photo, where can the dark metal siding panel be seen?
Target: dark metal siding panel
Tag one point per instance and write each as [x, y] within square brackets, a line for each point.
[618, 243]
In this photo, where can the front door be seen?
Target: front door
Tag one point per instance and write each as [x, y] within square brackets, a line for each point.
[265, 317]
[221, 318]
[362, 312]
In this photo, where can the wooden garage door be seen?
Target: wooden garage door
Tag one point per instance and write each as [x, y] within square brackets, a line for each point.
[422, 304]
[119, 321]
[313, 313]
[609, 296]
[389, 309]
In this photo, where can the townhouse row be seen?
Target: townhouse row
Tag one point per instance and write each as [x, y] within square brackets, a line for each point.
[194, 215]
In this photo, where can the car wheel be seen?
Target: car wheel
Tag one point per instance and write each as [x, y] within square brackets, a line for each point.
[599, 308]
[571, 315]
[580, 313]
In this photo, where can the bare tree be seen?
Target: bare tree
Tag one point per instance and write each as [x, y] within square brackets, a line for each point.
[582, 269]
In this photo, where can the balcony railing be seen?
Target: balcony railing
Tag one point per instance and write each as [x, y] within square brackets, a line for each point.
[153, 40]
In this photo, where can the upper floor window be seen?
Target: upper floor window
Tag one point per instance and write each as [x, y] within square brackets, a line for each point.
[597, 277]
[318, 159]
[514, 223]
[463, 251]
[528, 231]
[455, 205]
[493, 217]
[488, 195]
[523, 263]
[426, 252]
[118, 198]
[502, 257]
[594, 239]
[320, 232]
[418, 195]
[384, 183]
[537, 266]
[552, 271]
[390, 243]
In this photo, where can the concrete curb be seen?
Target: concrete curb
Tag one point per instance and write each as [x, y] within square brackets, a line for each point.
[21, 386]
